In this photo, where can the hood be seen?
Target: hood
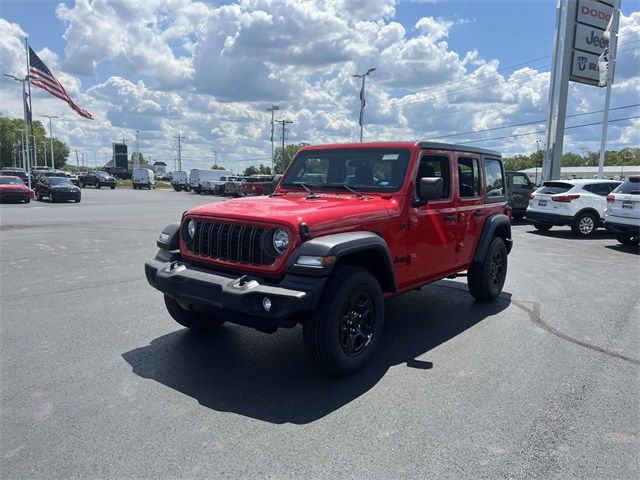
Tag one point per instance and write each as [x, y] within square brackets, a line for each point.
[324, 212]
[8, 186]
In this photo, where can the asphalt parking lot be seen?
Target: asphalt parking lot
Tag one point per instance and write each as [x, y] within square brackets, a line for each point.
[97, 381]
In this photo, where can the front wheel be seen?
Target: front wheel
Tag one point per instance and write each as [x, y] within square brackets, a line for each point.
[542, 227]
[196, 321]
[113, 187]
[345, 329]
[98, 185]
[39, 196]
[28, 200]
[628, 239]
[486, 279]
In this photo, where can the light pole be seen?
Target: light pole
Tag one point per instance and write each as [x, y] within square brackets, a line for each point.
[284, 126]
[272, 109]
[136, 164]
[53, 158]
[362, 102]
[25, 143]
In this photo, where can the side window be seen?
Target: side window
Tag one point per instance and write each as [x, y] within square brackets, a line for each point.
[493, 179]
[436, 166]
[468, 177]
[520, 181]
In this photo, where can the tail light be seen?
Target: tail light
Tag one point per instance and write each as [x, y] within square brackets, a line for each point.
[564, 198]
[531, 196]
[611, 198]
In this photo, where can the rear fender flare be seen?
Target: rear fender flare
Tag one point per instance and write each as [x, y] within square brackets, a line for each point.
[496, 225]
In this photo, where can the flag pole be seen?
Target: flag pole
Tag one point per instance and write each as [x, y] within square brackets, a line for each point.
[28, 79]
[613, 44]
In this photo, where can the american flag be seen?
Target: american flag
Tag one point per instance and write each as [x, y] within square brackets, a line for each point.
[42, 77]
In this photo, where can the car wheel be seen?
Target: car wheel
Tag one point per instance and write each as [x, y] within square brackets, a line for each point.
[77, 200]
[486, 279]
[52, 198]
[542, 227]
[628, 239]
[187, 318]
[584, 225]
[345, 329]
[39, 196]
[113, 187]
[98, 185]
[27, 200]
[81, 184]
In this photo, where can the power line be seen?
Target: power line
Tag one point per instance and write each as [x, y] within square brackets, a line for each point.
[542, 131]
[531, 123]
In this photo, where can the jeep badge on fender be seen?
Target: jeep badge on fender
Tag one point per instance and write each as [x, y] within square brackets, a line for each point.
[347, 227]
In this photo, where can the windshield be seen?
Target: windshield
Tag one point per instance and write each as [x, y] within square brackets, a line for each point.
[361, 169]
[630, 186]
[59, 181]
[11, 181]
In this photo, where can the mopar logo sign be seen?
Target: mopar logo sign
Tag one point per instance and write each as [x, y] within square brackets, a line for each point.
[120, 158]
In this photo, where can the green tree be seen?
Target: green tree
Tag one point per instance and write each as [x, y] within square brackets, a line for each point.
[11, 144]
[250, 171]
[215, 166]
[280, 161]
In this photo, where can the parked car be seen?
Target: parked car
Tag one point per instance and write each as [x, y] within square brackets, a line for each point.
[197, 176]
[328, 256]
[15, 172]
[519, 187]
[579, 204]
[57, 189]
[622, 215]
[232, 186]
[143, 178]
[254, 185]
[180, 181]
[97, 179]
[118, 172]
[13, 189]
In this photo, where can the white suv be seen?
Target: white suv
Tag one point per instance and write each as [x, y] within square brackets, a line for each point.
[622, 215]
[577, 203]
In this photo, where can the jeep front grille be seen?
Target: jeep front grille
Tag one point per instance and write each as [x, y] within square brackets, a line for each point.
[230, 242]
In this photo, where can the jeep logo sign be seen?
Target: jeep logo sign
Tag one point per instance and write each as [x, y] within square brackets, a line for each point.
[593, 13]
[590, 39]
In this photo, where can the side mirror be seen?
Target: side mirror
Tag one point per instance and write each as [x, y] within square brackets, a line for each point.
[430, 188]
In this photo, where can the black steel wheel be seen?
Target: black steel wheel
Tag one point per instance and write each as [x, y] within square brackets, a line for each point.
[342, 334]
[486, 279]
[197, 321]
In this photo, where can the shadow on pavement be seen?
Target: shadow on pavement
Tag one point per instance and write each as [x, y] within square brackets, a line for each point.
[618, 247]
[565, 232]
[268, 377]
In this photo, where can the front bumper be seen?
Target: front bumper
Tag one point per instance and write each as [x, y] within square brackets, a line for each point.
[14, 196]
[548, 218]
[236, 298]
[65, 196]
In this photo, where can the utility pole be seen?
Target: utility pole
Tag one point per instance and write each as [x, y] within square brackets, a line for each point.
[136, 164]
[362, 102]
[284, 125]
[179, 138]
[77, 161]
[272, 109]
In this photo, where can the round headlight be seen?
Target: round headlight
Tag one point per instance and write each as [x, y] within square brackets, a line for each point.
[280, 240]
[191, 229]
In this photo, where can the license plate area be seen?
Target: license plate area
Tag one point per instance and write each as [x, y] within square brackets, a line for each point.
[542, 203]
[627, 204]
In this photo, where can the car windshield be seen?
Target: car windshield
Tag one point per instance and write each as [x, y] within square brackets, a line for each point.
[551, 188]
[631, 186]
[11, 181]
[59, 181]
[361, 169]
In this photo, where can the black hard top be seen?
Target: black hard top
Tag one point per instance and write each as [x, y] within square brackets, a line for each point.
[459, 148]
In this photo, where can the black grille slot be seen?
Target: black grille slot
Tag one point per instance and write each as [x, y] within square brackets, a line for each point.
[230, 242]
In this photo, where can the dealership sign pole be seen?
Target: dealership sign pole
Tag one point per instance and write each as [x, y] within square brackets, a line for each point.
[579, 41]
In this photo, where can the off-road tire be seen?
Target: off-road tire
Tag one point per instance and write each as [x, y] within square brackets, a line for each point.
[196, 321]
[486, 279]
[584, 225]
[341, 318]
[542, 227]
[628, 239]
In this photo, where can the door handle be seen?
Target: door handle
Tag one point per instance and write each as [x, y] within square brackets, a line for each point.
[450, 218]
[478, 213]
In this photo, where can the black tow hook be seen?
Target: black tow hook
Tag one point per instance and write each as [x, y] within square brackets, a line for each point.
[242, 280]
[173, 265]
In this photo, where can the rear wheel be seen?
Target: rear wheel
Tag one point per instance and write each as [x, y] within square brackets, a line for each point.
[39, 196]
[52, 198]
[628, 239]
[345, 329]
[98, 185]
[188, 318]
[113, 187]
[584, 225]
[542, 227]
[486, 279]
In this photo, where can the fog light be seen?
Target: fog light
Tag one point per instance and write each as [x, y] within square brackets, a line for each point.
[266, 304]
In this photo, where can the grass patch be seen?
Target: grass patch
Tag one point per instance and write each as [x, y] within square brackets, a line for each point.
[127, 184]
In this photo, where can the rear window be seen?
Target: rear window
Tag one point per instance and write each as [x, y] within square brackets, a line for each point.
[629, 186]
[551, 188]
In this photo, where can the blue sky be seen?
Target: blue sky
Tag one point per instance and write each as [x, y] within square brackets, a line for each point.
[209, 70]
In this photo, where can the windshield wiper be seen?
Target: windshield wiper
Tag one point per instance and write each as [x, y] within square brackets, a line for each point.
[345, 186]
[311, 193]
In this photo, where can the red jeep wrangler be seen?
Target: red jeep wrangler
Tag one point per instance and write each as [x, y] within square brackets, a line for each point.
[347, 227]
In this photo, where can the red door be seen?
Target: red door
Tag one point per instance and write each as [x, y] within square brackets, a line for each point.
[433, 227]
[471, 209]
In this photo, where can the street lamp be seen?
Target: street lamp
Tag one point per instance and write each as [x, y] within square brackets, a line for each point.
[362, 102]
[26, 135]
[272, 109]
[53, 159]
